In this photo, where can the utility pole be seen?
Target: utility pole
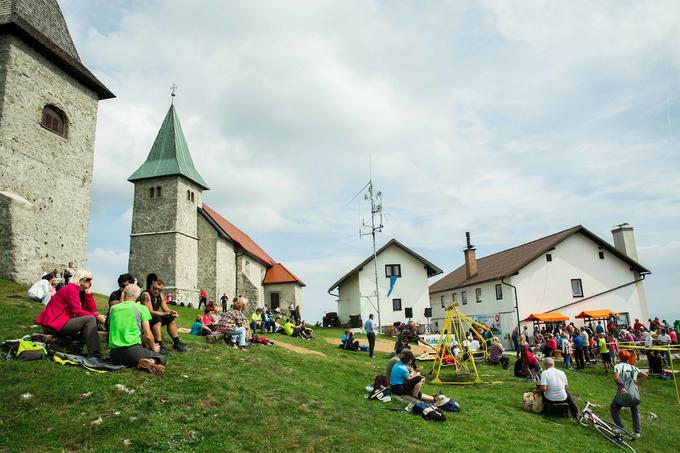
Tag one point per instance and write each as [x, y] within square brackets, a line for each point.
[370, 230]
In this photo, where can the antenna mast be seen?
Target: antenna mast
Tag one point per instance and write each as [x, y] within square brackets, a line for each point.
[370, 230]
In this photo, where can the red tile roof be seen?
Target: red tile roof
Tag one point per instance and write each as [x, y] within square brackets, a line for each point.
[238, 236]
[506, 263]
[279, 274]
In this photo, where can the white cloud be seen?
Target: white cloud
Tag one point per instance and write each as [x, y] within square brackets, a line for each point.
[106, 266]
[509, 120]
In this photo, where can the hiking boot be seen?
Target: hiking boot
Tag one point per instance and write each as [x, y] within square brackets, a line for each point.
[163, 350]
[179, 347]
[636, 436]
[151, 366]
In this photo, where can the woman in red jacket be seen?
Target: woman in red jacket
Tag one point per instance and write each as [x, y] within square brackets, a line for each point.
[65, 315]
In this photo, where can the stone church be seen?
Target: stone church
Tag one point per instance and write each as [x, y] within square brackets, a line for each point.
[48, 117]
[187, 244]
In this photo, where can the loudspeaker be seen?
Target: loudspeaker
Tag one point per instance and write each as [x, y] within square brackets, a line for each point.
[408, 311]
[428, 312]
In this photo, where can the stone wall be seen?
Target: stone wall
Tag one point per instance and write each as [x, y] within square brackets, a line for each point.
[249, 276]
[53, 173]
[164, 236]
[289, 293]
[225, 272]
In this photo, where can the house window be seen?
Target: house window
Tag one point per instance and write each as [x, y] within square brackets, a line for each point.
[152, 191]
[463, 296]
[478, 295]
[601, 254]
[576, 287]
[396, 304]
[158, 192]
[548, 257]
[499, 292]
[443, 301]
[53, 120]
[393, 270]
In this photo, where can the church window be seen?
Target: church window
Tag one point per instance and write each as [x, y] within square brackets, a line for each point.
[151, 192]
[192, 197]
[158, 192]
[54, 120]
[188, 195]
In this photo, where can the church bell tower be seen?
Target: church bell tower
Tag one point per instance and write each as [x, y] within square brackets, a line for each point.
[168, 191]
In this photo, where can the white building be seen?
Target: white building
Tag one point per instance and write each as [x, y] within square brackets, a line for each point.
[409, 295]
[567, 272]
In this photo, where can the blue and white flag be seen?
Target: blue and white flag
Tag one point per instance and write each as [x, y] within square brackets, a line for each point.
[393, 281]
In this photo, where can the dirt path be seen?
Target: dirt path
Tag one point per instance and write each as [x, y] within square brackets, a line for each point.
[298, 349]
[381, 345]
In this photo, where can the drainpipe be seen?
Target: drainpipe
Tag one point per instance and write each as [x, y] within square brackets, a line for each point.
[514, 288]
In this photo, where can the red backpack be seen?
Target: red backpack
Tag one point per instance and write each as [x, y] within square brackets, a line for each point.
[380, 381]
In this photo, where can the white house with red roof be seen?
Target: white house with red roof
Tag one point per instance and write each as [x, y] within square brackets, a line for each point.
[567, 272]
[179, 239]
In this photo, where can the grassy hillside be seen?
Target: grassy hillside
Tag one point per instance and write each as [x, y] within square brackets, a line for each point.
[273, 399]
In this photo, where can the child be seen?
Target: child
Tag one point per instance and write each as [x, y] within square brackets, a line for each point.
[567, 348]
[198, 328]
[613, 348]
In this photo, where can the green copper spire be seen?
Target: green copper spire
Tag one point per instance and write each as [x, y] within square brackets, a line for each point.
[169, 154]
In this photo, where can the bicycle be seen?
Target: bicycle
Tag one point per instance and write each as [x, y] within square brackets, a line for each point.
[613, 433]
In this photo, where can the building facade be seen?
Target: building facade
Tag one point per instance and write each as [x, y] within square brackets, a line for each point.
[178, 238]
[567, 272]
[48, 116]
[402, 285]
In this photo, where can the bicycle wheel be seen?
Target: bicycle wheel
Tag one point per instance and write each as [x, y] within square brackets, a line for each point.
[614, 437]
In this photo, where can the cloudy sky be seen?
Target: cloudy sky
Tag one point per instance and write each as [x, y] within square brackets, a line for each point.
[512, 120]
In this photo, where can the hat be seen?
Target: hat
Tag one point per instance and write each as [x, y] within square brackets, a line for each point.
[440, 400]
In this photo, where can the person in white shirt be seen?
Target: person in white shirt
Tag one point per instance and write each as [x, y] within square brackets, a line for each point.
[474, 345]
[42, 290]
[649, 340]
[664, 338]
[554, 387]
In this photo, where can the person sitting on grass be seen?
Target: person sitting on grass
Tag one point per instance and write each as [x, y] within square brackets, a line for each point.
[298, 331]
[198, 328]
[278, 327]
[394, 360]
[550, 346]
[406, 382]
[130, 338]
[348, 341]
[496, 354]
[530, 366]
[43, 290]
[554, 387]
[207, 319]
[603, 349]
[65, 315]
[255, 319]
[161, 315]
[233, 323]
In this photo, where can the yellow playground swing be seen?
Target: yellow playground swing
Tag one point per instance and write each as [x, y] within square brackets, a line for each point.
[453, 350]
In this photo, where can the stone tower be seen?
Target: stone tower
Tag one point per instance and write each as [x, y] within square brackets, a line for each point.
[48, 115]
[168, 192]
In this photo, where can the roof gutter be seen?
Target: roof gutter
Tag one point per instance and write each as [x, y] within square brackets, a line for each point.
[514, 288]
[642, 277]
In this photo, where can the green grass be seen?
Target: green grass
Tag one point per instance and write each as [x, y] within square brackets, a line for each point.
[271, 399]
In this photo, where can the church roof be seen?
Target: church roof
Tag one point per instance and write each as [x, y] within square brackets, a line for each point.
[169, 154]
[239, 237]
[278, 273]
[41, 24]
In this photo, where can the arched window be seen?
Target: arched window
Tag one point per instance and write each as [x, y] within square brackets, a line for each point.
[151, 192]
[158, 191]
[54, 120]
[192, 197]
[188, 195]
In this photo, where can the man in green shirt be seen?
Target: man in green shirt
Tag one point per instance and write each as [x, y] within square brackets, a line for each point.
[130, 337]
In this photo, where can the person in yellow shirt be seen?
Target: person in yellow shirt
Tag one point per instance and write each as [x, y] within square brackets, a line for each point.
[603, 347]
[255, 319]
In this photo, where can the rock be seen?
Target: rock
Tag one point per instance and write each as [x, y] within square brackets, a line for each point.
[26, 396]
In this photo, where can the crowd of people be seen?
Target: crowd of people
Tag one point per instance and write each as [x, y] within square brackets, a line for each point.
[135, 319]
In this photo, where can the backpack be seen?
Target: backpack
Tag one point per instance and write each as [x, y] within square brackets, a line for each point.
[380, 381]
[632, 395]
[450, 406]
[25, 349]
[428, 412]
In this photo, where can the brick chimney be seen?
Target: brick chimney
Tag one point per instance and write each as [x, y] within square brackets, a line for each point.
[624, 240]
[470, 258]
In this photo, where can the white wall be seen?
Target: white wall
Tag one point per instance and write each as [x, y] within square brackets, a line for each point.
[348, 298]
[411, 287]
[544, 285]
